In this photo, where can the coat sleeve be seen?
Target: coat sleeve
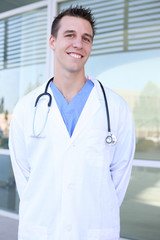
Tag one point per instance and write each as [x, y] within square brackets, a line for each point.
[18, 154]
[121, 164]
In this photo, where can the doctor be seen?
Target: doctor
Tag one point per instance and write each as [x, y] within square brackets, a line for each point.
[71, 183]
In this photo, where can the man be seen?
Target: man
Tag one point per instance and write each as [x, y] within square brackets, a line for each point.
[71, 183]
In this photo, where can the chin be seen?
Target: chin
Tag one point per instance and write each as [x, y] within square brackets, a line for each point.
[75, 69]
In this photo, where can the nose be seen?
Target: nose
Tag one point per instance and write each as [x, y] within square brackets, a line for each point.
[78, 43]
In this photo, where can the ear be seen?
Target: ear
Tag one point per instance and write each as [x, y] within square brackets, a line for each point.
[52, 42]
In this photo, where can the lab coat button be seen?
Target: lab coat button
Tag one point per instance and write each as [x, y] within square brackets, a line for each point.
[68, 228]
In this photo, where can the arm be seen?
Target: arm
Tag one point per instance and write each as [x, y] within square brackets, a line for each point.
[121, 164]
[18, 153]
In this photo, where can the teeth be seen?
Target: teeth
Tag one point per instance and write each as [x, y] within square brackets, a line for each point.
[75, 55]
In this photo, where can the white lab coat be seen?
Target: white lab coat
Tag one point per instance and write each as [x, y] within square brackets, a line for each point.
[71, 188]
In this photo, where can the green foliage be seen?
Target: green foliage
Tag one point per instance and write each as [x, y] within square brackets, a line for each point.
[2, 105]
[6, 115]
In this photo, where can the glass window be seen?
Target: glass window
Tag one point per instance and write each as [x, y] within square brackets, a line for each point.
[22, 61]
[9, 199]
[23, 46]
[140, 211]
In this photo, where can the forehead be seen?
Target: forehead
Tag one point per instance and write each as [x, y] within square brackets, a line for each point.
[75, 23]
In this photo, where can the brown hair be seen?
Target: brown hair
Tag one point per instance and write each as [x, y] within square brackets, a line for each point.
[77, 11]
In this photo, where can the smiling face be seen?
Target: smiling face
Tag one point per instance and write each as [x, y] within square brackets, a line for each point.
[73, 44]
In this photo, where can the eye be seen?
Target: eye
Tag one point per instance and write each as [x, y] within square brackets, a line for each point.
[86, 39]
[69, 35]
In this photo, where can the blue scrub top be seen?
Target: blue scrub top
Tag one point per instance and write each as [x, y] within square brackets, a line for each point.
[71, 111]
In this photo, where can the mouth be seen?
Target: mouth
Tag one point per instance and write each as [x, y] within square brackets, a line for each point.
[75, 55]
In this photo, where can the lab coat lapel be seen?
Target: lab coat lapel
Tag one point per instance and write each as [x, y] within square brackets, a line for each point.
[60, 132]
[91, 107]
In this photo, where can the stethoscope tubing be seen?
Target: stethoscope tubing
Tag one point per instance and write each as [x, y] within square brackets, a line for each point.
[110, 139]
[106, 106]
[45, 94]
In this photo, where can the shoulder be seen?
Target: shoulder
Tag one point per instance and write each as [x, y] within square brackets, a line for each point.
[113, 97]
[117, 105]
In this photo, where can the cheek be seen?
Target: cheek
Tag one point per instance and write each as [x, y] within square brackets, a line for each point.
[88, 50]
[60, 45]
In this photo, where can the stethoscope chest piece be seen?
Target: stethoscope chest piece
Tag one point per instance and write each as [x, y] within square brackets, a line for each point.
[111, 139]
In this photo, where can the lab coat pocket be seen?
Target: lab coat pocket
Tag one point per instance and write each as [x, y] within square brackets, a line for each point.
[31, 232]
[103, 234]
[97, 141]
[98, 151]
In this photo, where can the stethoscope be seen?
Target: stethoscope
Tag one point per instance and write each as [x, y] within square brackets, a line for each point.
[110, 139]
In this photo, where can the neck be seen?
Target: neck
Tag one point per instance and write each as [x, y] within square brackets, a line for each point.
[69, 84]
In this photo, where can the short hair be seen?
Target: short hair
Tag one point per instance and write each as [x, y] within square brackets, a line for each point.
[78, 11]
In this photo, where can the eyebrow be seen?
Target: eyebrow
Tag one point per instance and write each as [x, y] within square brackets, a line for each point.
[72, 31]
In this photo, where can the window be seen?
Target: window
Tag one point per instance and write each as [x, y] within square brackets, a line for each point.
[22, 61]
[23, 47]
